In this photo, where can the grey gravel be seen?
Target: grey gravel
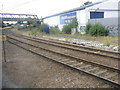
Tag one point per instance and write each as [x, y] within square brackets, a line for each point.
[27, 70]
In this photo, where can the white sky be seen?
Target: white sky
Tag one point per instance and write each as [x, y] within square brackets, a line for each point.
[40, 7]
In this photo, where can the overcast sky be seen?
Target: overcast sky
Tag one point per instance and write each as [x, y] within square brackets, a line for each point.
[40, 7]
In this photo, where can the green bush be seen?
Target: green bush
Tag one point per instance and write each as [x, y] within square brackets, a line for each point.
[67, 28]
[54, 30]
[88, 26]
[74, 23]
[96, 30]
[42, 26]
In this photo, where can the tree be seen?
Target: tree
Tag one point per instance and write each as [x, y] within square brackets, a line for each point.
[74, 23]
[87, 3]
[66, 29]
[20, 22]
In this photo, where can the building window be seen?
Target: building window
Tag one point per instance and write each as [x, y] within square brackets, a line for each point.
[95, 15]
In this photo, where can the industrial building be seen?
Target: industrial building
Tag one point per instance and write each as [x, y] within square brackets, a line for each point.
[104, 12]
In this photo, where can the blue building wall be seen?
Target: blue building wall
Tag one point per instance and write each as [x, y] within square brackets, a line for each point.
[67, 18]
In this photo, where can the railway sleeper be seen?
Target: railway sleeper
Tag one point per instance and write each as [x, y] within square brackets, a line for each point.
[95, 74]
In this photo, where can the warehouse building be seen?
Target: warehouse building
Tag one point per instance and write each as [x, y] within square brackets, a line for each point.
[103, 12]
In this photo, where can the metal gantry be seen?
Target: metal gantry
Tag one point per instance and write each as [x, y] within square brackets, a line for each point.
[18, 17]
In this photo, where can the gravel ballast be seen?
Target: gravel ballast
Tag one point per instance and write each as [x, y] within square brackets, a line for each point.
[26, 70]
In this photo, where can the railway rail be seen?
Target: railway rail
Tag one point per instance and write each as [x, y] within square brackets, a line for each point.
[89, 50]
[95, 56]
[104, 72]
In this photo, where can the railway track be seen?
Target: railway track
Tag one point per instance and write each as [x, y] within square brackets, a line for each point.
[89, 50]
[95, 56]
[104, 72]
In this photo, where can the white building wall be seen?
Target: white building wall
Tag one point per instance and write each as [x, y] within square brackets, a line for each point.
[53, 21]
[108, 4]
[107, 14]
[60, 25]
[78, 18]
[110, 14]
[109, 7]
[82, 19]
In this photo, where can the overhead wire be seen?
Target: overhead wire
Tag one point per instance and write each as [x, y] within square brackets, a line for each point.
[17, 5]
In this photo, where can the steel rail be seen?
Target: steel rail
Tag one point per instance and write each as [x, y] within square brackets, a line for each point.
[74, 57]
[110, 81]
[73, 48]
[60, 44]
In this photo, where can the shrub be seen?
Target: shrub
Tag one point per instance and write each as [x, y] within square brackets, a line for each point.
[54, 30]
[97, 30]
[67, 28]
[88, 26]
[42, 26]
[74, 23]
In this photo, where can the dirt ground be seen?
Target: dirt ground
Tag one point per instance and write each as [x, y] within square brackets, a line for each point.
[26, 70]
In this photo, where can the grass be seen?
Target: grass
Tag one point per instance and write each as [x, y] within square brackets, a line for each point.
[5, 28]
[110, 40]
[105, 40]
